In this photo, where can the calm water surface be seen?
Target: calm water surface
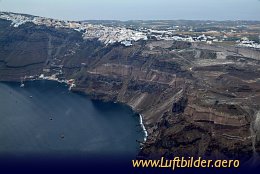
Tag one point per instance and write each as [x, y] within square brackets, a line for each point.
[45, 118]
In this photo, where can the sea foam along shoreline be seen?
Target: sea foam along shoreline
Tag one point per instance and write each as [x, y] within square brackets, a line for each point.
[143, 127]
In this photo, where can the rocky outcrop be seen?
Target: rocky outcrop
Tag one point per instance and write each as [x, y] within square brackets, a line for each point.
[196, 100]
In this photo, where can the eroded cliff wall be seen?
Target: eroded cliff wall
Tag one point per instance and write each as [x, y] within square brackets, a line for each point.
[196, 100]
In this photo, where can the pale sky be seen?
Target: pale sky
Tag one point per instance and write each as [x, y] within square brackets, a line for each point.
[137, 9]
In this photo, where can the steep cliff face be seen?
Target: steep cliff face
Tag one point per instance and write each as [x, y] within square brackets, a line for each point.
[195, 100]
[26, 50]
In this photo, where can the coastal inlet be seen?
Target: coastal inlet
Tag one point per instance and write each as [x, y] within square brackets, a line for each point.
[44, 117]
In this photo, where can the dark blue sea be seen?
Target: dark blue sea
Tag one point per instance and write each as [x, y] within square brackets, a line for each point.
[45, 122]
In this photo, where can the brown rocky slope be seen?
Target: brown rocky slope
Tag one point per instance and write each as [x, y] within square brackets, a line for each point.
[195, 99]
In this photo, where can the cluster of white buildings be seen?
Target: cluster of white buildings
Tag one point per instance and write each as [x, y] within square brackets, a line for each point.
[169, 35]
[245, 42]
[71, 83]
[107, 35]
[110, 35]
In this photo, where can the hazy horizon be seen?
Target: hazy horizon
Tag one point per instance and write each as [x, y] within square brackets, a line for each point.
[137, 9]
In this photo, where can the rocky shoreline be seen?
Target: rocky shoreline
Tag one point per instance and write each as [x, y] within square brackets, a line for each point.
[195, 99]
